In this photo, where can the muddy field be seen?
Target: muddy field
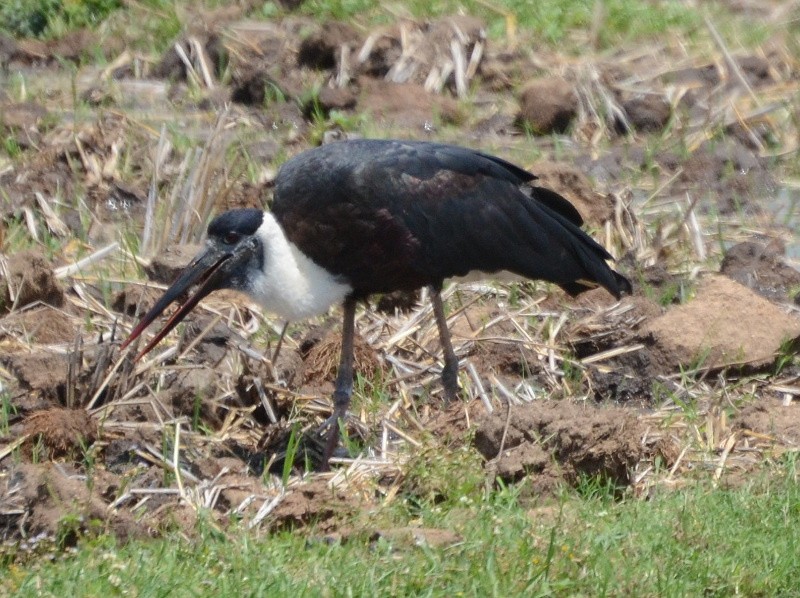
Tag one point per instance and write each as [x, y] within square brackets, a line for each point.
[680, 158]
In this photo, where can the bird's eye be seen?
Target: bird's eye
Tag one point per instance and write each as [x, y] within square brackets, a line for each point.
[231, 238]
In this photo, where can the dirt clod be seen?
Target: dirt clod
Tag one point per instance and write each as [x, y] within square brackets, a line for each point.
[405, 104]
[166, 266]
[61, 432]
[551, 442]
[43, 374]
[321, 49]
[725, 324]
[335, 99]
[135, 300]
[761, 267]
[53, 496]
[773, 418]
[547, 106]
[30, 278]
[313, 502]
[647, 113]
[44, 325]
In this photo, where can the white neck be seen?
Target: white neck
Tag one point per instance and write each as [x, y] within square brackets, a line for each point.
[290, 284]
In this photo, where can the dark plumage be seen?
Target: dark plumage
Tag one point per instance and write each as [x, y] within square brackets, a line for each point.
[390, 215]
[355, 218]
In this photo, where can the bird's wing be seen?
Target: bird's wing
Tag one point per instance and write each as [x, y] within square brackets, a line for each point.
[403, 214]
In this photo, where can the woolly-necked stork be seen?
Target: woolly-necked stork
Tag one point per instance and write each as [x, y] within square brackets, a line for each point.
[354, 218]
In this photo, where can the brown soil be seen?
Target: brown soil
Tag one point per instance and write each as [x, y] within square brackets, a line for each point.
[25, 278]
[312, 503]
[547, 106]
[551, 442]
[761, 267]
[42, 325]
[60, 433]
[771, 418]
[724, 324]
[57, 500]
[621, 135]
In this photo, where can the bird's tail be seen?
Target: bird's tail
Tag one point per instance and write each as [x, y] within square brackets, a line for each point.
[621, 285]
[591, 257]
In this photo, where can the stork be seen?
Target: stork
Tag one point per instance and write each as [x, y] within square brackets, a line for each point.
[359, 217]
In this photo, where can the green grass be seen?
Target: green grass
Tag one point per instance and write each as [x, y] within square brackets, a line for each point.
[698, 541]
[43, 18]
[551, 22]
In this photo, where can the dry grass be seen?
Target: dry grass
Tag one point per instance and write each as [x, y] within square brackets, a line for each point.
[688, 433]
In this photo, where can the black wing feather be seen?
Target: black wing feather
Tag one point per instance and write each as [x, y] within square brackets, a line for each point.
[389, 215]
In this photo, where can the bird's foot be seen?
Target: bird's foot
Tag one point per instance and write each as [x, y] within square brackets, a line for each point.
[330, 428]
[451, 394]
[450, 383]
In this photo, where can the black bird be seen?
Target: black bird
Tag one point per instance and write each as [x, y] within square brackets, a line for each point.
[354, 218]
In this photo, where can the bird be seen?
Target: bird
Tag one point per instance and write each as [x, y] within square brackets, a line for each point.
[355, 218]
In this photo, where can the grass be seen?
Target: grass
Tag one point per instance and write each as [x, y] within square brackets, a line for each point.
[592, 541]
[697, 541]
[549, 21]
[602, 25]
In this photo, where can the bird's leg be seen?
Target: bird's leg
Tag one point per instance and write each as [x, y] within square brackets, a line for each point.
[450, 369]
[280, 342]
[344, 381]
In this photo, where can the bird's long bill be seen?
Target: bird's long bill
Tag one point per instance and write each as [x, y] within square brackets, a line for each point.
[201, 271]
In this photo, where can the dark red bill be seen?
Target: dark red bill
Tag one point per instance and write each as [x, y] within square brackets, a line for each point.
[201, 271]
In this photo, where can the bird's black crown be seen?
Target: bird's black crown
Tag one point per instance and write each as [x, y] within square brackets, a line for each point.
[245, 222]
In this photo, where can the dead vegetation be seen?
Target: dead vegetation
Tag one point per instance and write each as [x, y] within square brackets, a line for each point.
[692, 376]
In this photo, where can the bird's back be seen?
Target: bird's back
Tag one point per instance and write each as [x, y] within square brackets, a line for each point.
[387, 215]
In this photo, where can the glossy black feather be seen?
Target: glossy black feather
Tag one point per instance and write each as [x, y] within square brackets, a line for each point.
[244, 222]
[388, 215]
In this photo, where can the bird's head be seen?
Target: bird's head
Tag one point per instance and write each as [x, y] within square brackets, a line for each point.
[233, 251]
